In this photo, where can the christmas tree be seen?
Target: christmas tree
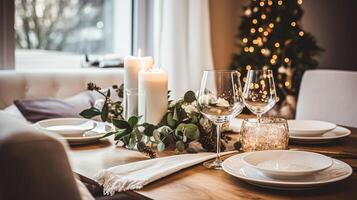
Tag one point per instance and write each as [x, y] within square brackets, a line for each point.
[271, 37]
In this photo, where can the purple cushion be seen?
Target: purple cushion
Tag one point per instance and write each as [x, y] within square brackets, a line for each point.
[35, 110]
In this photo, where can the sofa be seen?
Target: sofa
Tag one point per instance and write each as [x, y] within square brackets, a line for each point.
[34, 165]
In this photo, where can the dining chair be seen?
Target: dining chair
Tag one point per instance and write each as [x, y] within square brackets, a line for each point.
[328, 95]
[33, 165]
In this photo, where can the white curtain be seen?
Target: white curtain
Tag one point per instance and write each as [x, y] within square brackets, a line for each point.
[182, 42]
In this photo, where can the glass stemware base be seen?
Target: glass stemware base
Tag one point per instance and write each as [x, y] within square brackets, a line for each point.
[215, 164]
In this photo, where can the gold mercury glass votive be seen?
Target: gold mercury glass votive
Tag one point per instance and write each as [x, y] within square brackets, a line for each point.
[268, 134]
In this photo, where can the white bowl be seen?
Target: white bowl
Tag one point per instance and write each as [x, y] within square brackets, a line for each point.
[67, 127]
[286, 163]
[308, 128]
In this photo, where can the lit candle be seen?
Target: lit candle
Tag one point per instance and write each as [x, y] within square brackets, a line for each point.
[132, 66]
[153, 101]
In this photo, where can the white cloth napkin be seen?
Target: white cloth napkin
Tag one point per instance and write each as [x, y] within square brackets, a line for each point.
[135, 175]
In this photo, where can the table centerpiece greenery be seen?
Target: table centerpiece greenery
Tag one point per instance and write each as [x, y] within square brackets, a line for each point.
[181, 128]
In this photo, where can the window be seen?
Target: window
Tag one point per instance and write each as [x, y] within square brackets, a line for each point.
[58, 33]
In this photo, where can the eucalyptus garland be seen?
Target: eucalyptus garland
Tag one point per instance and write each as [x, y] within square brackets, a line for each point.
[180, 127]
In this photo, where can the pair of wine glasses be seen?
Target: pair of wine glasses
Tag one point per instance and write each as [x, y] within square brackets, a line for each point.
[221, 99]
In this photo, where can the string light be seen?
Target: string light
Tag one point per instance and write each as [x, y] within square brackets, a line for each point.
[293, 24]
[255, 41]
[271, 25]
[251, 49]
[275, 56]
[252, 30]
[282, 70]
[299, 2]
[286, 60]
[265, 33]
[248, 12]
[255, 21]
[301, 33]
[263, 16]
[280, 2]
[246, 49]
[260, 29]
[245, 40]
[261, 3]
[270, 3]
[272, 61]
[277, 45]
[248, 67]
[287, 84]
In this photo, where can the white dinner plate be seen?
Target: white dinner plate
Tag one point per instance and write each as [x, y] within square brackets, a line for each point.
[309, 128]
[236, 167]
[338, 132]
[67, 127]
[87, 136]
[287, 163]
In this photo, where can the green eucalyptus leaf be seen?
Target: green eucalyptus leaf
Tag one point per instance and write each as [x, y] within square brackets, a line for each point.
[149, 129]
[120, 134]
[133, 120]
[180, 146]
[121, 91]
[161, 147]
[175, 116]
[105, 112]
[90, 112]
[164, 130]
[194, 119]
[179, 134]
[121, 124]
[156, 135]
[126, 139]
[170, 120]
[109, 134]
[191, 131]
[189, 97]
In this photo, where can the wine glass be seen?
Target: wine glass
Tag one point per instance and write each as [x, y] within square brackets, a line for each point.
[259, 92]
[220, 100]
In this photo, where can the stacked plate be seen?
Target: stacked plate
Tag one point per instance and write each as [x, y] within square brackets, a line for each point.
[284, 169]
[75, 130]
[314, 132]
[306, 131]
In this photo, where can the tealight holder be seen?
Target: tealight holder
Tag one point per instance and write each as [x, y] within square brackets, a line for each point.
[266, 134]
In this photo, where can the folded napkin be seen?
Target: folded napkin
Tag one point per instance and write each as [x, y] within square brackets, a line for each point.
[135, 175]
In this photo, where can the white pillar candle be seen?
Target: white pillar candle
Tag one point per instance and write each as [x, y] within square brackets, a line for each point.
[132, 66]
[153, 102]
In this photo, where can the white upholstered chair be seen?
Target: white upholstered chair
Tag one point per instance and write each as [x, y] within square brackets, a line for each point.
[329, 95]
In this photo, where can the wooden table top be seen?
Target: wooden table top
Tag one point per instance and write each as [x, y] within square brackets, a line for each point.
[198, 182]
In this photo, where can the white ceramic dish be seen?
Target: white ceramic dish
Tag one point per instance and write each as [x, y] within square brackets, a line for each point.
[309, 128]
[85, 137]
[236, 167]
[287, 163]
[67, 127]
[330, 136]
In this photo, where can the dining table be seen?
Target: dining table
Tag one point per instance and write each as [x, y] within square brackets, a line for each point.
[198, 182]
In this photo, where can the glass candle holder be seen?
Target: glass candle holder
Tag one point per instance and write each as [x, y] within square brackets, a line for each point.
[267, 134]
[131, 103]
